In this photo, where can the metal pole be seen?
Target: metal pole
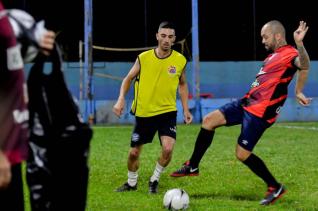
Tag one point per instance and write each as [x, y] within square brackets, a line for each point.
[80, 53]
[146, 22]
[88, 64]
[254, 30]
[195, 61]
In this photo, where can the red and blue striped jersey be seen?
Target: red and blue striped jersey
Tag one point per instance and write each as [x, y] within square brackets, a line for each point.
[269, 90]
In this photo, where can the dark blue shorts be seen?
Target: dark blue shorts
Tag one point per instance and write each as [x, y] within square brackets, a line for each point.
[252, 126]
[146, 128]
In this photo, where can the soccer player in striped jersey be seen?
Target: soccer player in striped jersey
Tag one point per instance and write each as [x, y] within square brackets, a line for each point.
[260, 107]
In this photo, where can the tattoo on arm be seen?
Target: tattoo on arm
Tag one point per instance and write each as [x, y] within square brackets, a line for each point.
[303, 58]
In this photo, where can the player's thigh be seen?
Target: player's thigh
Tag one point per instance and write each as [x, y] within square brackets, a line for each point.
[167, 128]
[251, 131]
[213, 120]
[228, 114]
[144, 131]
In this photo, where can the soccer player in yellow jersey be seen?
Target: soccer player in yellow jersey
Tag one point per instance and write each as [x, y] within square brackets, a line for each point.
[158, 74]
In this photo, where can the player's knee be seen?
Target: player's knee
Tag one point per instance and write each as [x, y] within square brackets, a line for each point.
[213, 120]
[206, 122]
[242, 155]
[134, 154]
[167, 150]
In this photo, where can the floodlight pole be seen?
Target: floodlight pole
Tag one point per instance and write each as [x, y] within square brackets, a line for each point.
[88, 62]
[195, 61]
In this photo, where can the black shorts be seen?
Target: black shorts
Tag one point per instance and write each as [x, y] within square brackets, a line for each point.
[252, 128]
[146, 128]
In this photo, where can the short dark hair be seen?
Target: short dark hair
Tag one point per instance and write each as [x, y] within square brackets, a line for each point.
[277, 27]
[166, 25]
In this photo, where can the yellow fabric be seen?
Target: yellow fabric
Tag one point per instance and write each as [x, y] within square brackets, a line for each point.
[157, 83]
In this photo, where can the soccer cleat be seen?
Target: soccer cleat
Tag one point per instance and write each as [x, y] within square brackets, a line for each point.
[273, 194]
[126, 187]
[153, 187]
[186, 170]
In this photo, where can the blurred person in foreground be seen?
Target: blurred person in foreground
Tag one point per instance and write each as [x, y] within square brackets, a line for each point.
[158, 74]
[14, 114]
[259, 108]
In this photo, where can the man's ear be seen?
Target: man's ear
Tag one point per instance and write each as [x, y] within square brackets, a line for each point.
[278, 36]
[174, 39]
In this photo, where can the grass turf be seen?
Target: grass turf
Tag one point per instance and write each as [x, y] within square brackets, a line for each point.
[288, 149]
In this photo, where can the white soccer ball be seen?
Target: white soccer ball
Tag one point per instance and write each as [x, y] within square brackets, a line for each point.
[176, 199]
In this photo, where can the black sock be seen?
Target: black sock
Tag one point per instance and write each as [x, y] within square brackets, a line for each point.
[260, 169]
[202, 143]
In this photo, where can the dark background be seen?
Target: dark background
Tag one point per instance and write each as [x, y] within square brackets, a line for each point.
[228, 30]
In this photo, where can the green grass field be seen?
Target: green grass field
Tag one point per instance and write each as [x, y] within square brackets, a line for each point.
[288, 149]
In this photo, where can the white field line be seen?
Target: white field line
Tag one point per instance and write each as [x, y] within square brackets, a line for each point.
[119, 126]
[297, 127]
[279, 126]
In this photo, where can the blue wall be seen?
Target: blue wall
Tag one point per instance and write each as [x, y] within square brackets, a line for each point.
[223, 80]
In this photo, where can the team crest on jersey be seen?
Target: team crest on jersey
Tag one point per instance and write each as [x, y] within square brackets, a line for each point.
[261, 72]
[172, 70]
[255, 84]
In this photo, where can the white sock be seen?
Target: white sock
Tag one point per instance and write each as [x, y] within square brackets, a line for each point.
[132, 178]
[156, 173]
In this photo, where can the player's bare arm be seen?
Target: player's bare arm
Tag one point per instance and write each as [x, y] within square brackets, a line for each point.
[302, 62]
[119, 105]
[184, 93]
[300, 83]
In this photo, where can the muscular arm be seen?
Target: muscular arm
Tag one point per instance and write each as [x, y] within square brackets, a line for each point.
[302, 76]
[302, 62]
[184, 93]
[125, 85]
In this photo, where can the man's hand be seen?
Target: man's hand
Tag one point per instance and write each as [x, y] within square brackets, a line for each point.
[5, 171]
[300, 33]
[47, 42]
[118, 108]
[303, 100]
[187, 116]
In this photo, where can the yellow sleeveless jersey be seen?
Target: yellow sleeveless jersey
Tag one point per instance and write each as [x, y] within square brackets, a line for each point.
[157, 83]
